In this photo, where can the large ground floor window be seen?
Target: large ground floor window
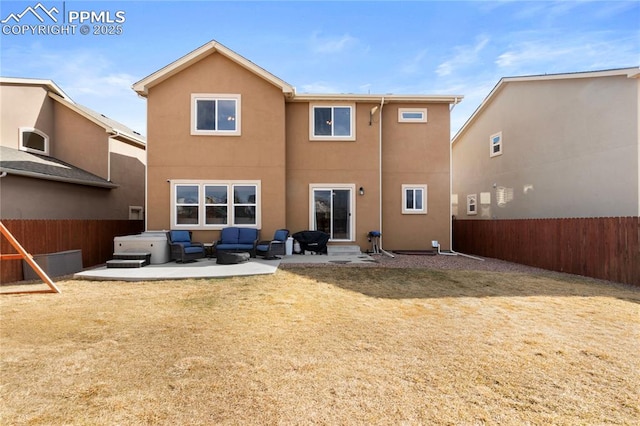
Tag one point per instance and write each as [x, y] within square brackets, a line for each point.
[215, 204]
[333, 210]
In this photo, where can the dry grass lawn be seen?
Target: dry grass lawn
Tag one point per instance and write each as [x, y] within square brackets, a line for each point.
[324, 346]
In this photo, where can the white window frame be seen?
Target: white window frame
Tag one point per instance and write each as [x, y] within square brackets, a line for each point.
[402, 118]
[22, 130]
[414, 188]
[201, 222]
[330, 187]
[491, 144]
[312, 123]
[195, 97]
[472, 204]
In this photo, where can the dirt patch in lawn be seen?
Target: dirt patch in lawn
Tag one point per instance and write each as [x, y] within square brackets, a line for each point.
[329, 345]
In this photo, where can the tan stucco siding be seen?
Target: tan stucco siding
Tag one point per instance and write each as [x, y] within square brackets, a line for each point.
[257, 154]
[416, 153]
[80, 142]
[570, 149]
[332, 163]
[24, 106]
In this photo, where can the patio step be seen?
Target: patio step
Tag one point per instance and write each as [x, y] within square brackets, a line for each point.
[125, 263]
[352, 250]
[129, 260]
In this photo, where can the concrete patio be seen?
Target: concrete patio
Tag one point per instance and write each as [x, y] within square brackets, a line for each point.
[208, 268]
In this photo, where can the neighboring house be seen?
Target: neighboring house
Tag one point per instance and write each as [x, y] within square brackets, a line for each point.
[61, 160]
[232, 144]
[551, 146]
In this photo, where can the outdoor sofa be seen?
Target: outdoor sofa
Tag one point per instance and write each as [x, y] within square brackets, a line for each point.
[235, 239]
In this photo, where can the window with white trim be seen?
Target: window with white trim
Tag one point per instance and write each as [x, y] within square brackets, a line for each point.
[329, 122]
[34, 140]
[472, 204]
[414, 199]
[215, 114]
[412, 115]
[215, 204]
[495, 144]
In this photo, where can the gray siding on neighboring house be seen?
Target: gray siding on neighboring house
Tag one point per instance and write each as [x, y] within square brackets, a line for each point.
[569, 149]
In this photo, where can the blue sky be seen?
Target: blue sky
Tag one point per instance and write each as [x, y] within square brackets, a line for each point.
[416, 47]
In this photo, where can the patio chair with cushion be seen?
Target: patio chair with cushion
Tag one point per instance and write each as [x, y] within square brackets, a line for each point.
[235, 239]
[182, 248]
[277, 246]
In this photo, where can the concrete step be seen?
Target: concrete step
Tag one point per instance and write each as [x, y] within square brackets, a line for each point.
[128, 255]
[126, 263]
[346, 250]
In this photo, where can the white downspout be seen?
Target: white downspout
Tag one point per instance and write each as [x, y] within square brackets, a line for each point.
[380, 169]
[383, 251]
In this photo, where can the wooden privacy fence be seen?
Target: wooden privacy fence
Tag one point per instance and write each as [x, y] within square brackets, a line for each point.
[604, 247]
[93, 237]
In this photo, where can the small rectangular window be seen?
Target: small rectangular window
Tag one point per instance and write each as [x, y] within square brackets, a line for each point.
[215, 114]
[412, 115]
[136, 213]
[414, 199]
[495, 144]
[332, 123]
[472, 204]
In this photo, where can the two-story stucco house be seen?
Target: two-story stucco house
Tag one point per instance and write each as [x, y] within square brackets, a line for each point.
[551, 146]
[61, 160]
[230, 144]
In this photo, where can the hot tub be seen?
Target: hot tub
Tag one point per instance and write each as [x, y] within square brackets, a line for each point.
[154, 242]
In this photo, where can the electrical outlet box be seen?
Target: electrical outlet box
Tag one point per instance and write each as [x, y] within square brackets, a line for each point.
[434, 244]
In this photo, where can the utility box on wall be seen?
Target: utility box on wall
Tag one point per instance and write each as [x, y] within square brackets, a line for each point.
[54, 264]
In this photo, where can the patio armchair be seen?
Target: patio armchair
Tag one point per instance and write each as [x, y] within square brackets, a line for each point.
[235, 239]
[277, 246]
[182, 248]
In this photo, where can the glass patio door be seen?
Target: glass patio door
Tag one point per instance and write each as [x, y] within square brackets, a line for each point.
[332, 212]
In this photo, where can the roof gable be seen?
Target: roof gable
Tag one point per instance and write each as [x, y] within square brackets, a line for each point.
[113, 127]
[142, 87]
[633, 72]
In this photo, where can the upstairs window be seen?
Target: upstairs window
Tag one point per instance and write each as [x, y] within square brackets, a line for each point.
[215, 114]
[33, 140]
[495, 144]
[412, 115]
[414, 199]
[332, 123]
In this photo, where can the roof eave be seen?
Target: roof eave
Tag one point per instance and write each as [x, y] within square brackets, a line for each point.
[25, 173]
[389, 98]
[50, 85]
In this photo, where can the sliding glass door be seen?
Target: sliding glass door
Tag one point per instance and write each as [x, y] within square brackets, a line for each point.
[332, 212]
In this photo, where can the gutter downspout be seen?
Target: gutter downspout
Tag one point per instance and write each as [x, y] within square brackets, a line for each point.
[383, 251]
[455, 102]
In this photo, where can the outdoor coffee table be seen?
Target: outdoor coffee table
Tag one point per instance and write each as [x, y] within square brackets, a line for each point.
[231, 258]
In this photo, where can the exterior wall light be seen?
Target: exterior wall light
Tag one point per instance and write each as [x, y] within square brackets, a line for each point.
[361, 191]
